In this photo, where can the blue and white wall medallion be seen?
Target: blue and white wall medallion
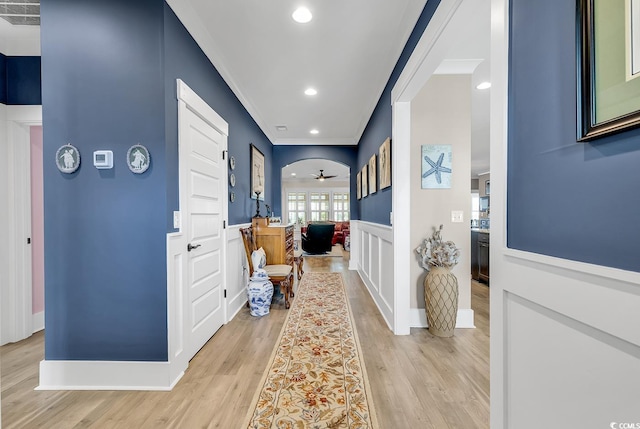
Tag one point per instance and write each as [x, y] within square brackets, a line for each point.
[67, 158]
[138, 159]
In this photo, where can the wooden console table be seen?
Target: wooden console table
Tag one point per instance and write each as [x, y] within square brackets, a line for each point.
[276, 240]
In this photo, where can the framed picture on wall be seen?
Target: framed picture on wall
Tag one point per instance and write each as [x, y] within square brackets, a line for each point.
[372, 174]
[384, 158]
[436, 166]
[257, 173]
[608, 62]
[359, 185]
[365, 188]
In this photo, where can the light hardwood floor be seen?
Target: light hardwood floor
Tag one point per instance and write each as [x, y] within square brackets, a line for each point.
[418, 381]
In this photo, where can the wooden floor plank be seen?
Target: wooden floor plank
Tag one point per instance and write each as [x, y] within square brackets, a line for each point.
[417, 381]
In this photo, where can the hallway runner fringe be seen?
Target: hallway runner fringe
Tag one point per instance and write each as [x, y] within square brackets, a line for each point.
[316, 376]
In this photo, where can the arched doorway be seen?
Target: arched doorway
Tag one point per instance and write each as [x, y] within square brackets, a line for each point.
[315, 190]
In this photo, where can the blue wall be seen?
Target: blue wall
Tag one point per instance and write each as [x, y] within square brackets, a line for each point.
[571, 200]
[185, 60]
[105, 230]
[23, 81]
[20, 80]
[376, 208]
[284, 155]
[3, 79]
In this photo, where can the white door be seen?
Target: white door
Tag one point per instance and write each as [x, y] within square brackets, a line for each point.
[202, 145]
[16, 315]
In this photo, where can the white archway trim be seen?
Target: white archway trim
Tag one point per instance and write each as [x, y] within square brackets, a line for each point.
[418, 70]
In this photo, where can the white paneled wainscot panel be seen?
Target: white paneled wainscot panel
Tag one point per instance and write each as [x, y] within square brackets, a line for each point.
[100, 375]
[372, 257]
[237, 271]
[570, 326]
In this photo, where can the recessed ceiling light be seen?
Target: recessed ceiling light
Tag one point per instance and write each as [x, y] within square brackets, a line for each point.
[314, 131]
[293, 174]
[310, 91]
[302, 15]
[281, 127]
[484, 85]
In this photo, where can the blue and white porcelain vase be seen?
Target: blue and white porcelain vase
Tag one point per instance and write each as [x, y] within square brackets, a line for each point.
[259, 293]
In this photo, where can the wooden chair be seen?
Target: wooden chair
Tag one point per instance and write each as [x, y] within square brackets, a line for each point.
[278, 274]
[298, 259]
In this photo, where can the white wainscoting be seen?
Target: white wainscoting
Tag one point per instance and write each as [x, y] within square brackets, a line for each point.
[108, 375]
[565, 343]
[372, 257]
[237, 271]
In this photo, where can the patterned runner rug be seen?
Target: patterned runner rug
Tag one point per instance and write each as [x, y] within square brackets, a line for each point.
[316, 376]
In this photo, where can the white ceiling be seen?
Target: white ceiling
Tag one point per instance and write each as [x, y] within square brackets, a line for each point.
[346, 52]
[307, 170]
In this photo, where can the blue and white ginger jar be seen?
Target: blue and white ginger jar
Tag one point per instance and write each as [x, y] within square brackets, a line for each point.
[259, 293]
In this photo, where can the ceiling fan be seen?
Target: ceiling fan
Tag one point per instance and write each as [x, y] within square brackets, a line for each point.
[321, 176]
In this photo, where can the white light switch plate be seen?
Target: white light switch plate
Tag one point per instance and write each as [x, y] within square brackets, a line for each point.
[176, 220]
[457, 216]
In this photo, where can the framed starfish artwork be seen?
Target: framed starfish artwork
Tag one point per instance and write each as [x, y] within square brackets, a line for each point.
[436, 166]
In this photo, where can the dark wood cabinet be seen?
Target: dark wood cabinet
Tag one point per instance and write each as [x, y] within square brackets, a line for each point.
[474, 256]
[480, 256]
[483, 257]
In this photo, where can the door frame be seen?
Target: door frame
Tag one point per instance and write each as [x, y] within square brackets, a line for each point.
[16, 310]
[177, 295]
[421, 65]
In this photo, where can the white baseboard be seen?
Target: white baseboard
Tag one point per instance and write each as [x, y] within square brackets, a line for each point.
[418, 318]
[236, 304]
[106, 375]
[38, 322]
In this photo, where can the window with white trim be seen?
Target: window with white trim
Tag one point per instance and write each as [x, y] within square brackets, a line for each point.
[319, 206]
[340, 206]
[304, 205]
[297, 207]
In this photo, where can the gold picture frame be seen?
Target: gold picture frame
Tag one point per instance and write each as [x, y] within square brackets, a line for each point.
[608, 64]
[365, 188]
[384, 159]
[258, 183]
[372, 174]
